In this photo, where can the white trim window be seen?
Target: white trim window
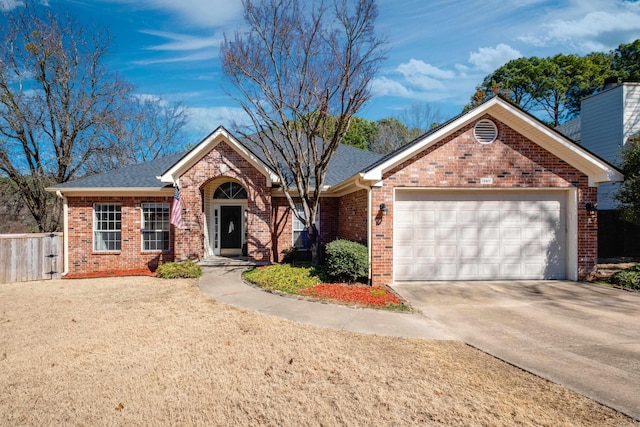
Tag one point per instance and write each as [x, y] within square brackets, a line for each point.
[107, 227]
[155, 227]
[300, 233]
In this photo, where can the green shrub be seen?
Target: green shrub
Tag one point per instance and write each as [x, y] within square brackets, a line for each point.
[179, 270]
[347, 260]
[284, 277]
[628, 278]
[289, 255]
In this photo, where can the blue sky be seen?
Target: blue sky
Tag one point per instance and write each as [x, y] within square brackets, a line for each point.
[439, 50]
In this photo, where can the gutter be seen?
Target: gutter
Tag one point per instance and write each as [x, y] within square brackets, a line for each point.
[65, 232]
[358, 184]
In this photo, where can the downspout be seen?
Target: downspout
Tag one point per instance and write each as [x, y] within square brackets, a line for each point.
[65, 232]
[369, 241]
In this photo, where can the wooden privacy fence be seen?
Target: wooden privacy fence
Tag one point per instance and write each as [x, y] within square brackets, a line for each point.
[25, 257]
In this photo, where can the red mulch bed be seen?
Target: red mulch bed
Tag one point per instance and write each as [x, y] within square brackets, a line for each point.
[111, 273]
[358, 294]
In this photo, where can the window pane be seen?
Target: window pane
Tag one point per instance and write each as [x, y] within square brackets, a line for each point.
[300, 233]
[155, 226]
[106, 225]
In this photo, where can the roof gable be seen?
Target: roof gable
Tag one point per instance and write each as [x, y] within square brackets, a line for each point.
[173, 173]
[597, 169]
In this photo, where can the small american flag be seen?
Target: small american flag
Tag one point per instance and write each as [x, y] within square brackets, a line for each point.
[176, 208]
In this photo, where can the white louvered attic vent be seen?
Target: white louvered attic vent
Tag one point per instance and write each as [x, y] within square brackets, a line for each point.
[485, 131]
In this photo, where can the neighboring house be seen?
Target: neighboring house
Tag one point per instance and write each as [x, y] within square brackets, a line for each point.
[491, 194]
[607, 120]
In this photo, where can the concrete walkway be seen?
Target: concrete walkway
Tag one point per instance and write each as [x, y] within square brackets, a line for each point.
[225, 284]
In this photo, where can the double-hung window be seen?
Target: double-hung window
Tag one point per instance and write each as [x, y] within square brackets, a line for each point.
[300, 233]
[107, 227]
[155, 226]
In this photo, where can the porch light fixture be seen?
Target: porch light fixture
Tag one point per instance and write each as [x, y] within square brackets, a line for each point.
[590, 207]
[384, 210]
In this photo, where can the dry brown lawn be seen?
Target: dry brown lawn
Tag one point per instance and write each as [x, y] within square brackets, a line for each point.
[145, 351]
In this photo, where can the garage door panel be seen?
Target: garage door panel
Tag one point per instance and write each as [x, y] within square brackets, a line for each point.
[532, 233]
[509, 234]
[404, 252]
[468, 217]
[447, 270]
[447, 251]
[510, 252]
[531, 271]
[510, 270]
[468, 234]
[425, 269]
[410, 234]
[447, 217]
[404, 271]
[426, 217]
[533, 249]
[510, 217]
[479, 235]
[488, 234]
[423, 234]
[446, 233]
[489, 270]
[469, 252]
[427, 251]
[488, 216]
[489, 251]
[468, 270]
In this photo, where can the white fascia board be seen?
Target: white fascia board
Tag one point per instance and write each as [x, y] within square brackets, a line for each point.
[219, 135]
[113, 191]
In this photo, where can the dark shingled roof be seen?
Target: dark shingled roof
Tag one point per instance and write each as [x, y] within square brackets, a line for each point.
[141, 175]
[346, 162]
[571, 129]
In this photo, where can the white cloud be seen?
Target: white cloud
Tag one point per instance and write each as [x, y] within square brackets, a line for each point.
[594, 26]
[422, 76]
[203, 13]
[182, 41]
[199, 56]
[383, 86]
[487, 59]
[7, 5]
[416, 67]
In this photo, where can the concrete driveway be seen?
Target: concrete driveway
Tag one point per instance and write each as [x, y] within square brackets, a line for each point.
[580, 335]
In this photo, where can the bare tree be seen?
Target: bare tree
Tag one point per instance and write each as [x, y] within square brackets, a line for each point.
[391, 134]
[419, 117]
[148, 128]
[299, 63]
[59, 105]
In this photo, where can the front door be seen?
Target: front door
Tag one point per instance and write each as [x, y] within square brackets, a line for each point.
[231, 230]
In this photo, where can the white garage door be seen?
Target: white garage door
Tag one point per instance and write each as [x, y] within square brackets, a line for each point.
[479, 235]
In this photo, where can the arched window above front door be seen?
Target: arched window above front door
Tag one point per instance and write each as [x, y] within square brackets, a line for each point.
[230, 191]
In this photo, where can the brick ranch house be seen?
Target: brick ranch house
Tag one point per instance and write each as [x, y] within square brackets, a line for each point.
[492, 194]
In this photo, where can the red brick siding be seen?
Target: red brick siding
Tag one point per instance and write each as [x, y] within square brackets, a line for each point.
[283, 223]
[513, 161]
[190, 239]
[353, 216]
[84, 261]
[282, 236]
